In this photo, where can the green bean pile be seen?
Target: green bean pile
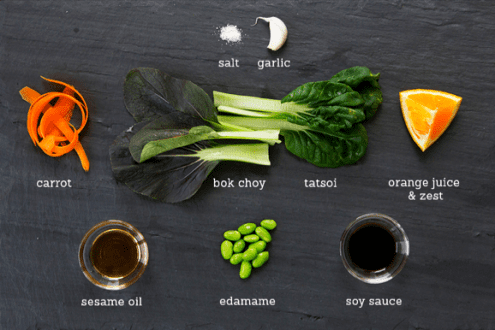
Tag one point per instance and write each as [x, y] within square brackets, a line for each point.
[236, 241]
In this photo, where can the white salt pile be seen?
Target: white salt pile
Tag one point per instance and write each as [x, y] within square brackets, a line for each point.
[231, 33]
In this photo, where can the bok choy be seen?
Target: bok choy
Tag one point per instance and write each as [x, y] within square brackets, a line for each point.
[170, 152]
[176, 175]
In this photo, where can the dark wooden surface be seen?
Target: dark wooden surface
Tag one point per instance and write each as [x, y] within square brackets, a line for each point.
[449, 280]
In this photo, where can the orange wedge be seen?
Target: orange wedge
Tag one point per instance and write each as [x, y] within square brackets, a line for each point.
[428, 113]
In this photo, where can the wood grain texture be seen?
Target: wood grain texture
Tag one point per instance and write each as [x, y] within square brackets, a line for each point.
[448, 282]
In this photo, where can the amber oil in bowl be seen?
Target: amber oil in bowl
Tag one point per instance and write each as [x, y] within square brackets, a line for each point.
[113, 255]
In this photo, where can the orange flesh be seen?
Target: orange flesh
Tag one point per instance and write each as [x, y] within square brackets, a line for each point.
[420, 117]
[430, 113]
[58, 135]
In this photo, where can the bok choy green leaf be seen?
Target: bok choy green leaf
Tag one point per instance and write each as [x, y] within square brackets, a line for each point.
[150, 93]
[176, 175]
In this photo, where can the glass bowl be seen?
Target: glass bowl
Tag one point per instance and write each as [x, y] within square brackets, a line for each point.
[398, 261]
[88, 252]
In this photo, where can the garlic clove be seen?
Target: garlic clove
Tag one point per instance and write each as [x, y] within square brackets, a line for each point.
[278, 32]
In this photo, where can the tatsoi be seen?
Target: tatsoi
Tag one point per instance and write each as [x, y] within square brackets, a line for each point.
[278, 63]
[320, 183]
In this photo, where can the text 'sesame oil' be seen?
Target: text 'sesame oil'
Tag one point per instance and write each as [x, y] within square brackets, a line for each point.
[372, 247]
[115, 253]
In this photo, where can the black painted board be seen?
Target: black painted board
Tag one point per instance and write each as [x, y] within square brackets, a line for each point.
[448, 281]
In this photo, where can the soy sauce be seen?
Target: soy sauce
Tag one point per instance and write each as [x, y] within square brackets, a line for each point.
[115, 253]
[372, 247]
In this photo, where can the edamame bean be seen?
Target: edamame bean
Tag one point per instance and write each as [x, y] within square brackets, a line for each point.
[256, 237]
[268, 224]
[259, 246]
[245, 269]
[249, 254]
[239, 246]
[236, 259]
[232, 235]
[263, 234]
[247, 228]
[251, 238]
[260, 259]
[227, 249]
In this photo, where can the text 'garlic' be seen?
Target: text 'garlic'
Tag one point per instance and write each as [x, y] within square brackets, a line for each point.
[278, 32]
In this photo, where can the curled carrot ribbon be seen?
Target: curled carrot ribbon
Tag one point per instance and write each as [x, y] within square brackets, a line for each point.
[54, 133]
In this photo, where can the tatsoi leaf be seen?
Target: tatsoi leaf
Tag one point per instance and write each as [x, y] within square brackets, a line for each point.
[351, 99]
[332, 117]
[354, 76]
[149, 93]
[341, 116]
[372, 97]
[173, 125]
[168, 179]
[317, 93]
[365, 83]
[328, 148]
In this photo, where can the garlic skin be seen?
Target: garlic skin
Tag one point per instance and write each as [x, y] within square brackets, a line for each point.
[278, 32]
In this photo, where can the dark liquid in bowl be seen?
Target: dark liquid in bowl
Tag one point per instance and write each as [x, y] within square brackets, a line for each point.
[115, 253]
[372, 247]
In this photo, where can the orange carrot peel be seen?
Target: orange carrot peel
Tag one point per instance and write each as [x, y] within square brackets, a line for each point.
[54, 133]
